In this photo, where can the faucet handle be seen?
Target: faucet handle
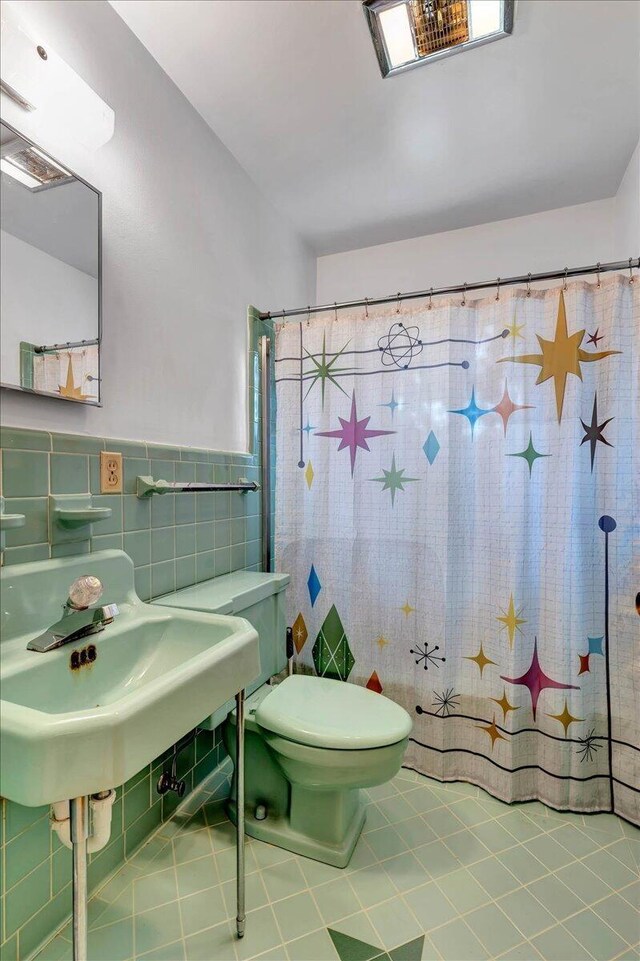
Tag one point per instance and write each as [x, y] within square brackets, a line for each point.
[85, 591]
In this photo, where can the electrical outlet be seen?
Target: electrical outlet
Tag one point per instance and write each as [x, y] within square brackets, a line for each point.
[110, 472]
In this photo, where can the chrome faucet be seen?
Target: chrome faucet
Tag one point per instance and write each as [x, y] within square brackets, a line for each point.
[79, 618]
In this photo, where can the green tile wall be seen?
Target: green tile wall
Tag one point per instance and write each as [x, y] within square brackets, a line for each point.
[174, 541]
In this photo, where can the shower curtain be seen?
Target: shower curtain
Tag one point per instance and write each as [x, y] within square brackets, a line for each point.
[456, 504]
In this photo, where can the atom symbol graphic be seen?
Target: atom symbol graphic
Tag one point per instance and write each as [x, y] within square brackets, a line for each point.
[588, 746]
[400, 346]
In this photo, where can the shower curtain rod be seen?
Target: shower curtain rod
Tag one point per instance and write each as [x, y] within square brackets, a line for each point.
[498, 282]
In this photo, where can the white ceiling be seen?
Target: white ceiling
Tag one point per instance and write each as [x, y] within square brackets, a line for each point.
[545, 118]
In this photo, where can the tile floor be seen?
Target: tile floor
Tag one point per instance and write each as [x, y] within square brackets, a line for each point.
[441, 872]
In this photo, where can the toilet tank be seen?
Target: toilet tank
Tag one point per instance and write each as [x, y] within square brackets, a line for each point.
[251, 594]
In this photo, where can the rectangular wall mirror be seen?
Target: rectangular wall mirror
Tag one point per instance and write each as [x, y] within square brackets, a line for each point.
[50, 246]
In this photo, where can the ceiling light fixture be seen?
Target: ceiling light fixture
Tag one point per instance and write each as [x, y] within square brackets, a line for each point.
[407, 33]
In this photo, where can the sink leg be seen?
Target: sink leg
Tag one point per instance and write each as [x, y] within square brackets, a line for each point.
[79, 834]
[240, 872]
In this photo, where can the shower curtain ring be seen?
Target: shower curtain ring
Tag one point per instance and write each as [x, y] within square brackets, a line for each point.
[498, 289]
[308, 315]
[564, 282]
[598, 273]
[528, 284]
[366, 308]
[400, 295]
[630, 270]
[335, 310]
[463, 302]
[431, 298]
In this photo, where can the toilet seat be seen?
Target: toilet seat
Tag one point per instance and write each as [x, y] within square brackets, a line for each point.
[320, 712]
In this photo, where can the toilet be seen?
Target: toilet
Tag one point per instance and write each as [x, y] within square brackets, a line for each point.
[311, 743]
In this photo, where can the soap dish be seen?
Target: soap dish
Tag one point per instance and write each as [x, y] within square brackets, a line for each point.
[9, 522]
[71, 517]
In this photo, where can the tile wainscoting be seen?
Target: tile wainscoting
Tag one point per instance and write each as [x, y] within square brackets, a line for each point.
[174, 541]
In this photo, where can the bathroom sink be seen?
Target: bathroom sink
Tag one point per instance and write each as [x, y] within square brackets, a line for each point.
[152, 676]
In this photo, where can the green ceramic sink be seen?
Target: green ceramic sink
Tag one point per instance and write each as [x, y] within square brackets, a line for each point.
[67, 731]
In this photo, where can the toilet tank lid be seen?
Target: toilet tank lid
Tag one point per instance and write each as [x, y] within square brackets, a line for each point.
[227, 594]
[325, 713]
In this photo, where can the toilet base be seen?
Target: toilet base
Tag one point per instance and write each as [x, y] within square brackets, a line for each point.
[281, 830]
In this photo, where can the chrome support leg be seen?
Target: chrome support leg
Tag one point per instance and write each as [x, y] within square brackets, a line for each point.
[240, 872]
[79, 832]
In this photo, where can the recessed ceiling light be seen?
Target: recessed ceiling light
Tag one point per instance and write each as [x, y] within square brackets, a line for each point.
[410, 32]
[31, 167]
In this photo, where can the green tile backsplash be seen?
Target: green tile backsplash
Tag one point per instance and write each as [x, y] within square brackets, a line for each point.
[174, 541]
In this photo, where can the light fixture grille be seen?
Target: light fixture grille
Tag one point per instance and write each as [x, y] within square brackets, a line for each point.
[439, 24]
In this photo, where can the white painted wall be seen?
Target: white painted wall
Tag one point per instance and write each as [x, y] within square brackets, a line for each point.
[188, 243]
[626, 212]
[603, 230]
[569, 236]
[44, 301]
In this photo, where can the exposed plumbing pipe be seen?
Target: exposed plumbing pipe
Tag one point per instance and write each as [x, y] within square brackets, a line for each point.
[101, 810]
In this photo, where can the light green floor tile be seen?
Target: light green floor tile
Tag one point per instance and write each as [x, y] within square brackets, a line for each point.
[469, 811]
[631, 893]
[549, 852]
[336, 900]
[423, 800]
[463, 890]
[621, 916]
[526, 912]
[466, 847]
[437, 859]
[375, 819]
[284, 879]
[519, 825]
[151, 890]
[394, 923]
[196, 875]
[494, 836]
[444, 822]
[202, 910]
[261, 935]
[315, 872]
[595, 935]
[256, 895]
[610, 869]
[523, 864]
[113, 942]
[382, 791]
[363, 856]
[297, 916]
[405, 871]
[558, 945]
[217, 942]
[372, 885]
[395, 809]
[386, 842]
[358, 927]
[155, 928]
[494, 877]
[190, 845]
[583, 882]
[317, 946]
[522, 952]
[430, 906]
[494, 929]
[170, 952]
[415, 831]
[556, 897]
[457, 942]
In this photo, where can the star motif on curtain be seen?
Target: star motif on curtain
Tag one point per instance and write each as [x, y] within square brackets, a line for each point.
[324, 371]
[407, 609]
[594, 338]
[472, 412]
[536, 681]
[504, 703]
[69, 389]
[511, 620]
[584, 664]
[514, 329]
[506, 407]
[560, 357]
[493, 731]
[480, 659]
[392, 404]
[530, 454]
[394, 479]
[353, 433]
[381, 642]
[566, 718]
[594, 431]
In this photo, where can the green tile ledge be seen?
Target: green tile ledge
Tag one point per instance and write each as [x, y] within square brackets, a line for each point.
[72, 516]
[8, 522]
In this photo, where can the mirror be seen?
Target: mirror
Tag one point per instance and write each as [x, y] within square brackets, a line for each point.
[50, 275]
